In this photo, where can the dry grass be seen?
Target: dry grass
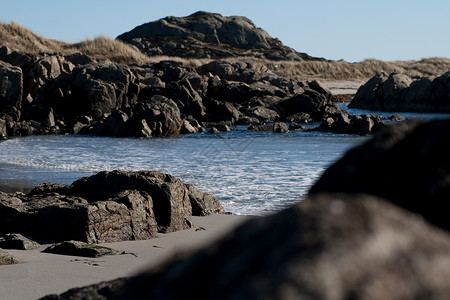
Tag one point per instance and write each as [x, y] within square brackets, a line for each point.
[23, 40]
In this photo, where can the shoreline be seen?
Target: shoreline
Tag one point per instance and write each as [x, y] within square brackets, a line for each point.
[39, 274]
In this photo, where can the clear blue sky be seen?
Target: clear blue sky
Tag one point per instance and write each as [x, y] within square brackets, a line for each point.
[352, 30]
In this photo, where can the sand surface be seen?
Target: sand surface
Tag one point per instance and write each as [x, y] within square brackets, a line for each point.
[40, 274]
[343, 87]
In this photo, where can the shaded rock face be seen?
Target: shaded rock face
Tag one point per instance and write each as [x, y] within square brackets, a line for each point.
[398, 92]
[211, 35]
[17, 241]
[406, 163]
[106, 207]
[11, 84]
[330, 246]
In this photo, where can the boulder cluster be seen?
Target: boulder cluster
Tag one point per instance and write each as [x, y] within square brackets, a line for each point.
[209, 35]
[399, 92]
[56, 94]
[106, 207]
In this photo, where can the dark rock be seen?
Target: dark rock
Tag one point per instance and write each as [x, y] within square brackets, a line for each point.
[406, 163]
[78, 59]
[162, 116]
[6, 259]
[203, 204]
[42, 114]
[295, 126]
[171, 204]
[106, 207]
[330, 246]
[366, 96]
[397, 118]
[207, 35]
[222, 111]
[11, 83]
[186, 127]
[17, 241]
[280, 127]
[95, 89]
[99, 291]
[400, 93]
[310, 102]
[76, 248]
[320, 87]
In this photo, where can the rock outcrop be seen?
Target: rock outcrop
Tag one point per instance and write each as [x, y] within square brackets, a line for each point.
[208, 35]
[106, 207]
[406, 164]
[398, 92]
[17, 241]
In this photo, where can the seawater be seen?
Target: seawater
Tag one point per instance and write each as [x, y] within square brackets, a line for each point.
[252, 173]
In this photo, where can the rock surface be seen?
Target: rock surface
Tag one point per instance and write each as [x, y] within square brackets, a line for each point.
[208, 35]
[330, 246]
[106, 207]
[17, 241]
[6, 259]
[398, 92]
[406, 164]
[76, 248]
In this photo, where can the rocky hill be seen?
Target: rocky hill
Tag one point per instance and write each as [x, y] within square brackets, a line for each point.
[209, 35]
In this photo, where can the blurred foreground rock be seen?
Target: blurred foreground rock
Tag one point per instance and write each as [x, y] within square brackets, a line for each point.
[407, 164]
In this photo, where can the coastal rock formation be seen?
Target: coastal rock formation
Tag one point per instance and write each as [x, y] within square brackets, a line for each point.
[106, 207]
[159, 99]
[330, 246]
[208, 35]
[406, 164]
[398, 92]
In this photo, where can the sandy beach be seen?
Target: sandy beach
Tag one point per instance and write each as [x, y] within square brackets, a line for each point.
[40, 274]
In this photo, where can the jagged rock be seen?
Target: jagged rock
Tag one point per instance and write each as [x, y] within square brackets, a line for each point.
[405, 163]
[17, 241]
[203, 204]
[6, 259]
[162, 116]
[76, 248]
[310, 102]
[95, 89]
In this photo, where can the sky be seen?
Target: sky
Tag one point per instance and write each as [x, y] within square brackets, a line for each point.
[352, 30]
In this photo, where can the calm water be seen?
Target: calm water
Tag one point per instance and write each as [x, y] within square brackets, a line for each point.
[250, 172]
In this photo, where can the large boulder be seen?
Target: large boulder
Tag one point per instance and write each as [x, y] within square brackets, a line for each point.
[406, 163]
[398, 92]
[161, 114]
[331, 246]
[106, 207]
